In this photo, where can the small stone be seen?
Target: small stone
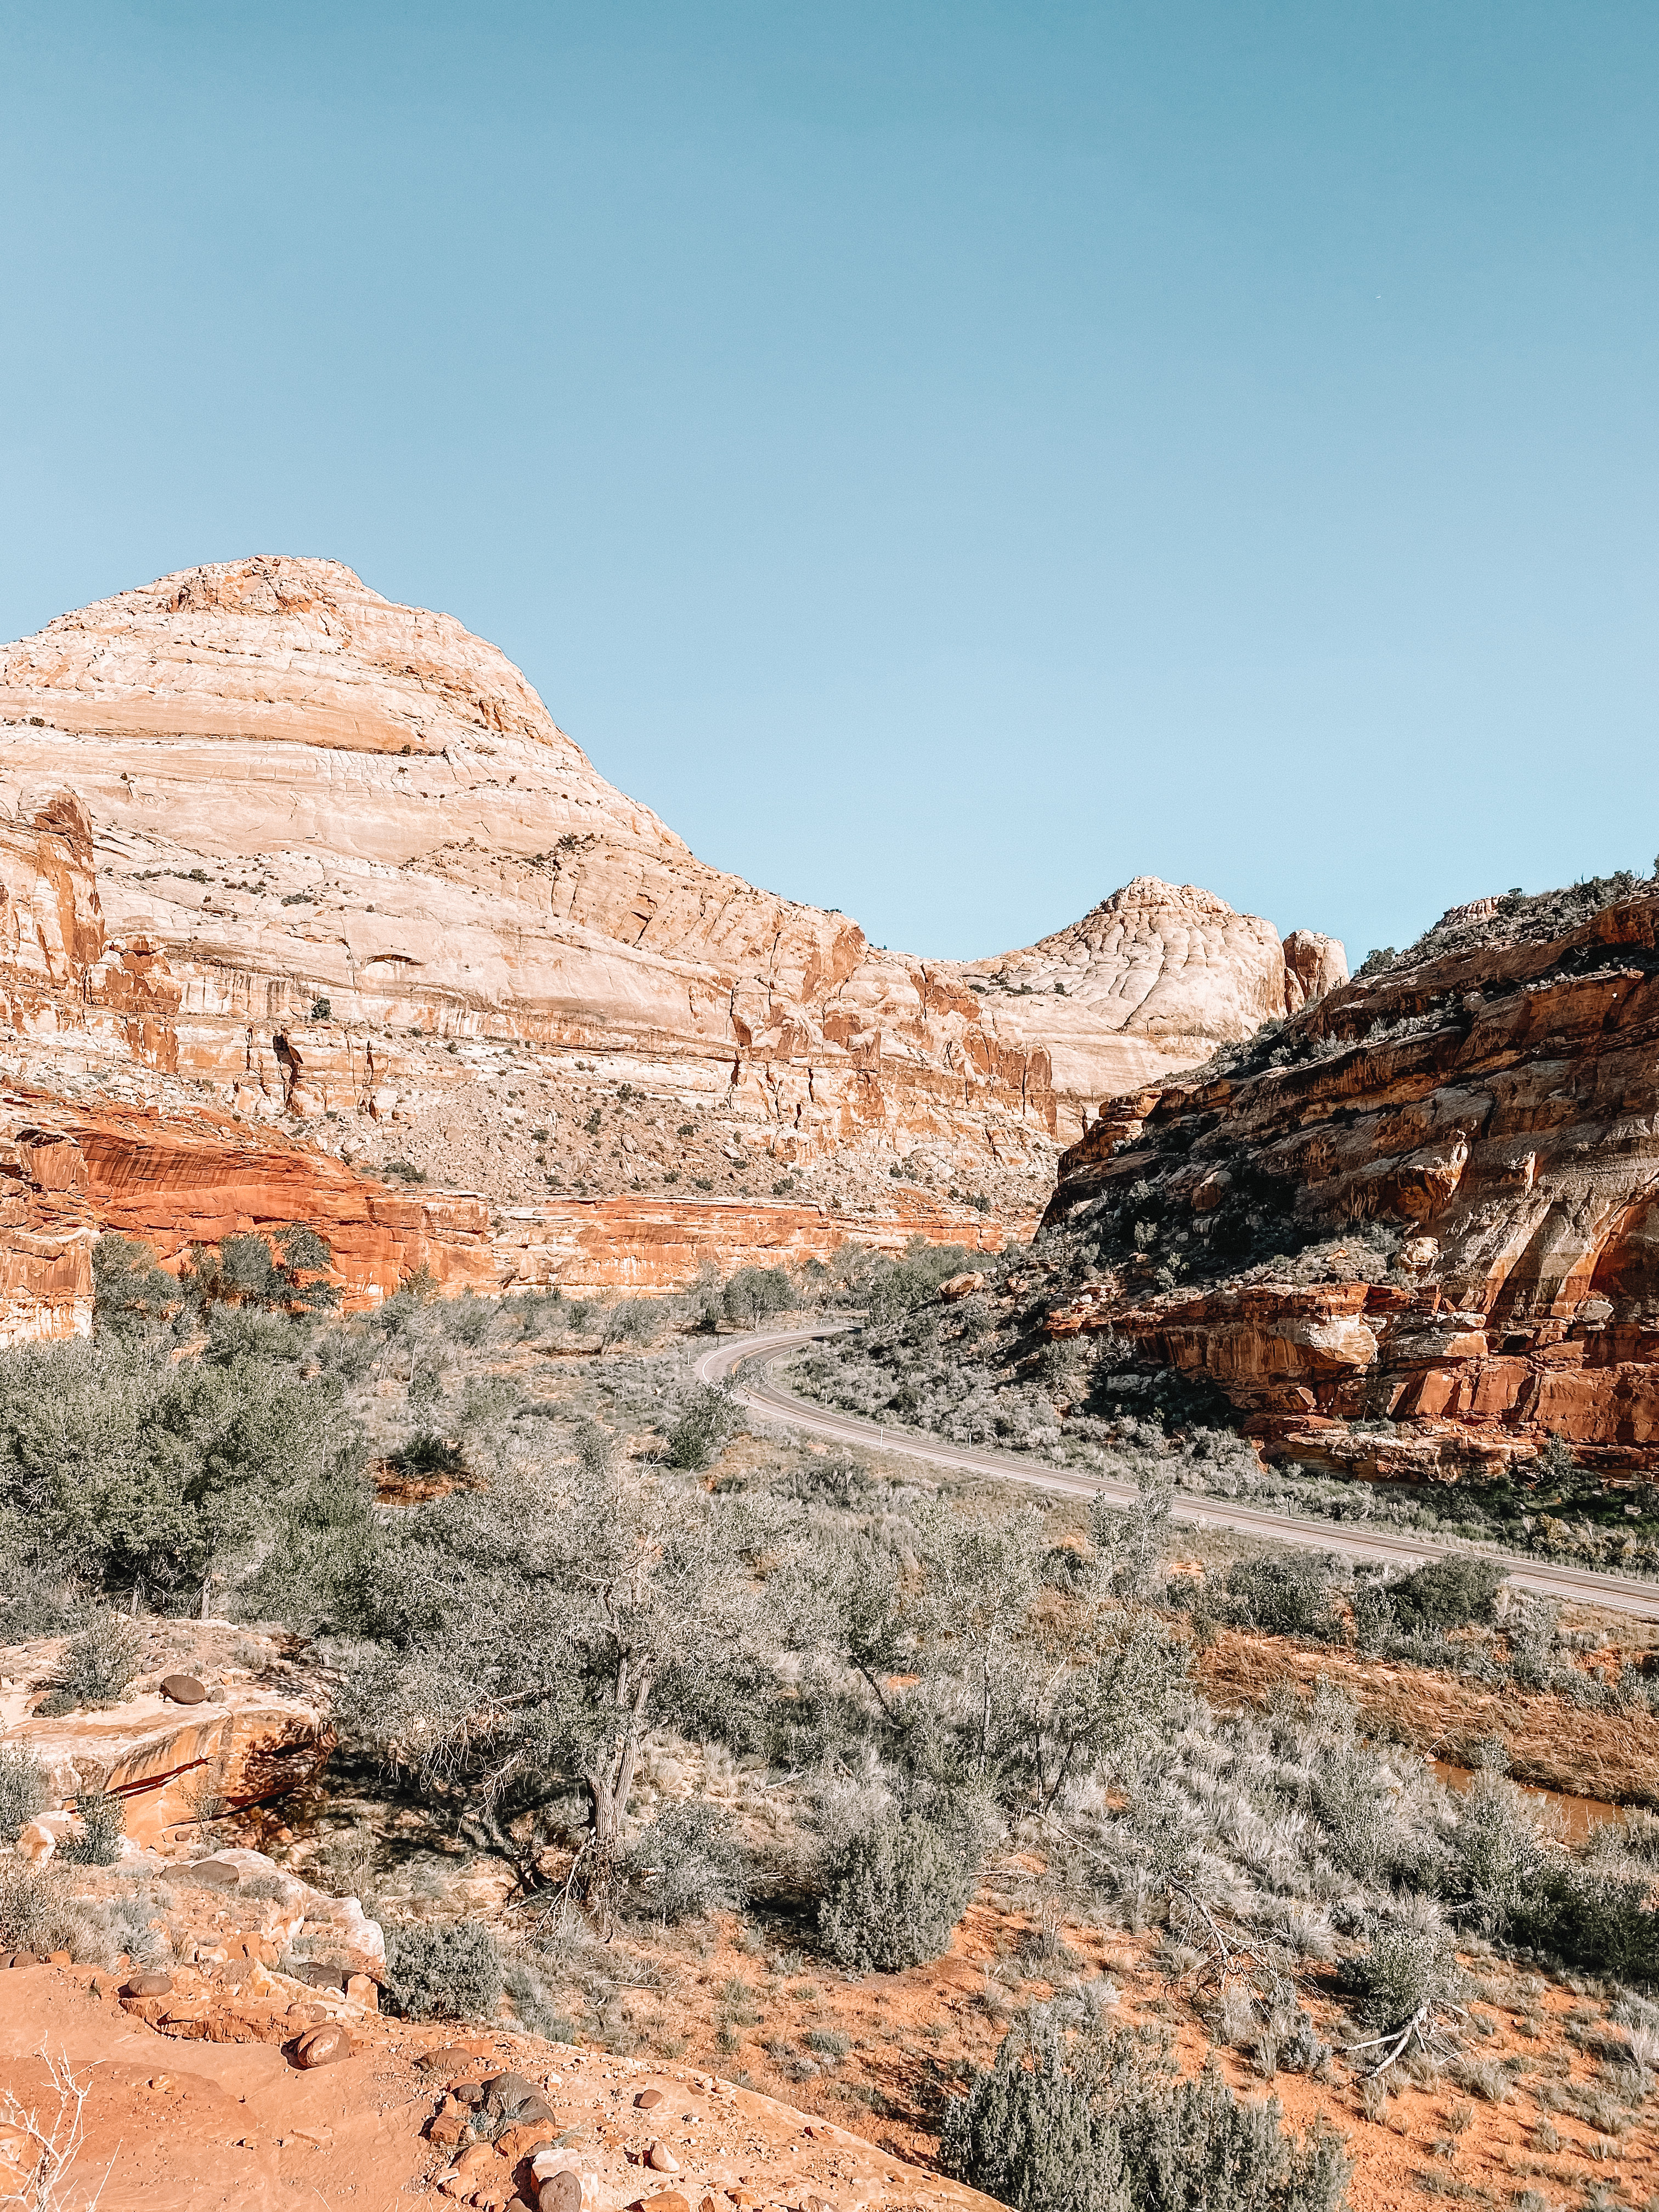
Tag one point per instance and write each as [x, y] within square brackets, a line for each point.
[149, 1985]
[452, 2059]
[318, 1976]
[648, 2099]
[447, 2129]
[667, 2200]
[323, 2047]
[363, 1989]
[506, 2092]
[183, 1689]
[560, 2193]
[516, 2140]
[661, 2160]
[60, 1958]
[212, 1873]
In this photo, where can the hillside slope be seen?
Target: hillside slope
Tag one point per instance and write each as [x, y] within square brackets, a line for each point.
[261, 830]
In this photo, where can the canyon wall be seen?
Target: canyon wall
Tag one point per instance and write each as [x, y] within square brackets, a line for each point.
[1497, 1109]
[264, 830]
[297, 885]
[69, 1175]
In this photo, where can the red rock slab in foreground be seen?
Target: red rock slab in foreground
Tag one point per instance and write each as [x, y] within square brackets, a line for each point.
[205, 2106]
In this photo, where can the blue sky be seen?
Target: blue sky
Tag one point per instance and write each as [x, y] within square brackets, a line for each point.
[946, 459]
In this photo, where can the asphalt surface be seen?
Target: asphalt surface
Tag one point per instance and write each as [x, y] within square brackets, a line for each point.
[763, 1394]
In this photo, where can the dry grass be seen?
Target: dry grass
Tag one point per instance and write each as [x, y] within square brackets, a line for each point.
[1552, 1744]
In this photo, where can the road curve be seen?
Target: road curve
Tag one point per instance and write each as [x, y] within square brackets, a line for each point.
[1619, 1593]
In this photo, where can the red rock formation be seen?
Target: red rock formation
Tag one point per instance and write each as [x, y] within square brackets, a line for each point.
[67, 1175]
[1497, 1105]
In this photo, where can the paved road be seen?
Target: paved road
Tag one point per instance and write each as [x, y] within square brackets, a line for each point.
[762, 1395]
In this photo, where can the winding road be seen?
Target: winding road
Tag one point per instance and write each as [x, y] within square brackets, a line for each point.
[765, 1396]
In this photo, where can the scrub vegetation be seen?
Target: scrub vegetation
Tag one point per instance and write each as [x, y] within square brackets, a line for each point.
[619, 1683]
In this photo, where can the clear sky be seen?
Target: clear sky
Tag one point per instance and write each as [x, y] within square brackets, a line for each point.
[947, 460]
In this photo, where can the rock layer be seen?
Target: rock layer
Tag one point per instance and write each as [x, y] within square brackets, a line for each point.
[68, 1175]
[262, 828]
[1498, 1109]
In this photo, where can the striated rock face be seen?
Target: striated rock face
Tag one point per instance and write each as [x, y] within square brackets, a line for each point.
[260, 828]
[69, 1174]
[1154, 977]
[1496, 1109]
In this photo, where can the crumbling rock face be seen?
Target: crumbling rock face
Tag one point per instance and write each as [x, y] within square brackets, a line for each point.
[1497, 1109]
[262, 828]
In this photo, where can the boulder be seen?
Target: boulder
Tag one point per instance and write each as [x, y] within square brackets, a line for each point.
[323, 2046]
[183, 1689]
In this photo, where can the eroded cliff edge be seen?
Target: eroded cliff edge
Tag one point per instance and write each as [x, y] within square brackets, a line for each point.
[1416, 1230]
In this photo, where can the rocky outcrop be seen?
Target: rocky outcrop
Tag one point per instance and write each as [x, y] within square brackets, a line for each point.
[1429, 1206]
[69, 1174]
[1153, 977]
[264, 831]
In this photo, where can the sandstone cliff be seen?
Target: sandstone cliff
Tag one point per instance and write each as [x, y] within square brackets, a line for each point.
[69, 1174]
[264, 830]
[1417, 1228]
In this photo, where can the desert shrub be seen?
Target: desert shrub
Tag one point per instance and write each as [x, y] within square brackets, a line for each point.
[101, 1822]
[96, 1666]
[1369, 1823]
[1451, 1592]
[904, 1284]
[1591, 1914]
[130, 1291]
[535, 2005]
[25, 1791]
[489, 1406]
[403, 1170]
[445, 1973]
[1285, 1592]
[1407, 1964]
[29, 1907]
[684, 1863]
[1099, 2125]
[631, 1321]
[753, 1293]
[895, 1892]
[465, 1320]
[710, 1420]
[427, 1454]
[264, 1270]
[831, 1479]
[1496, 1853]
[38, 1597]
